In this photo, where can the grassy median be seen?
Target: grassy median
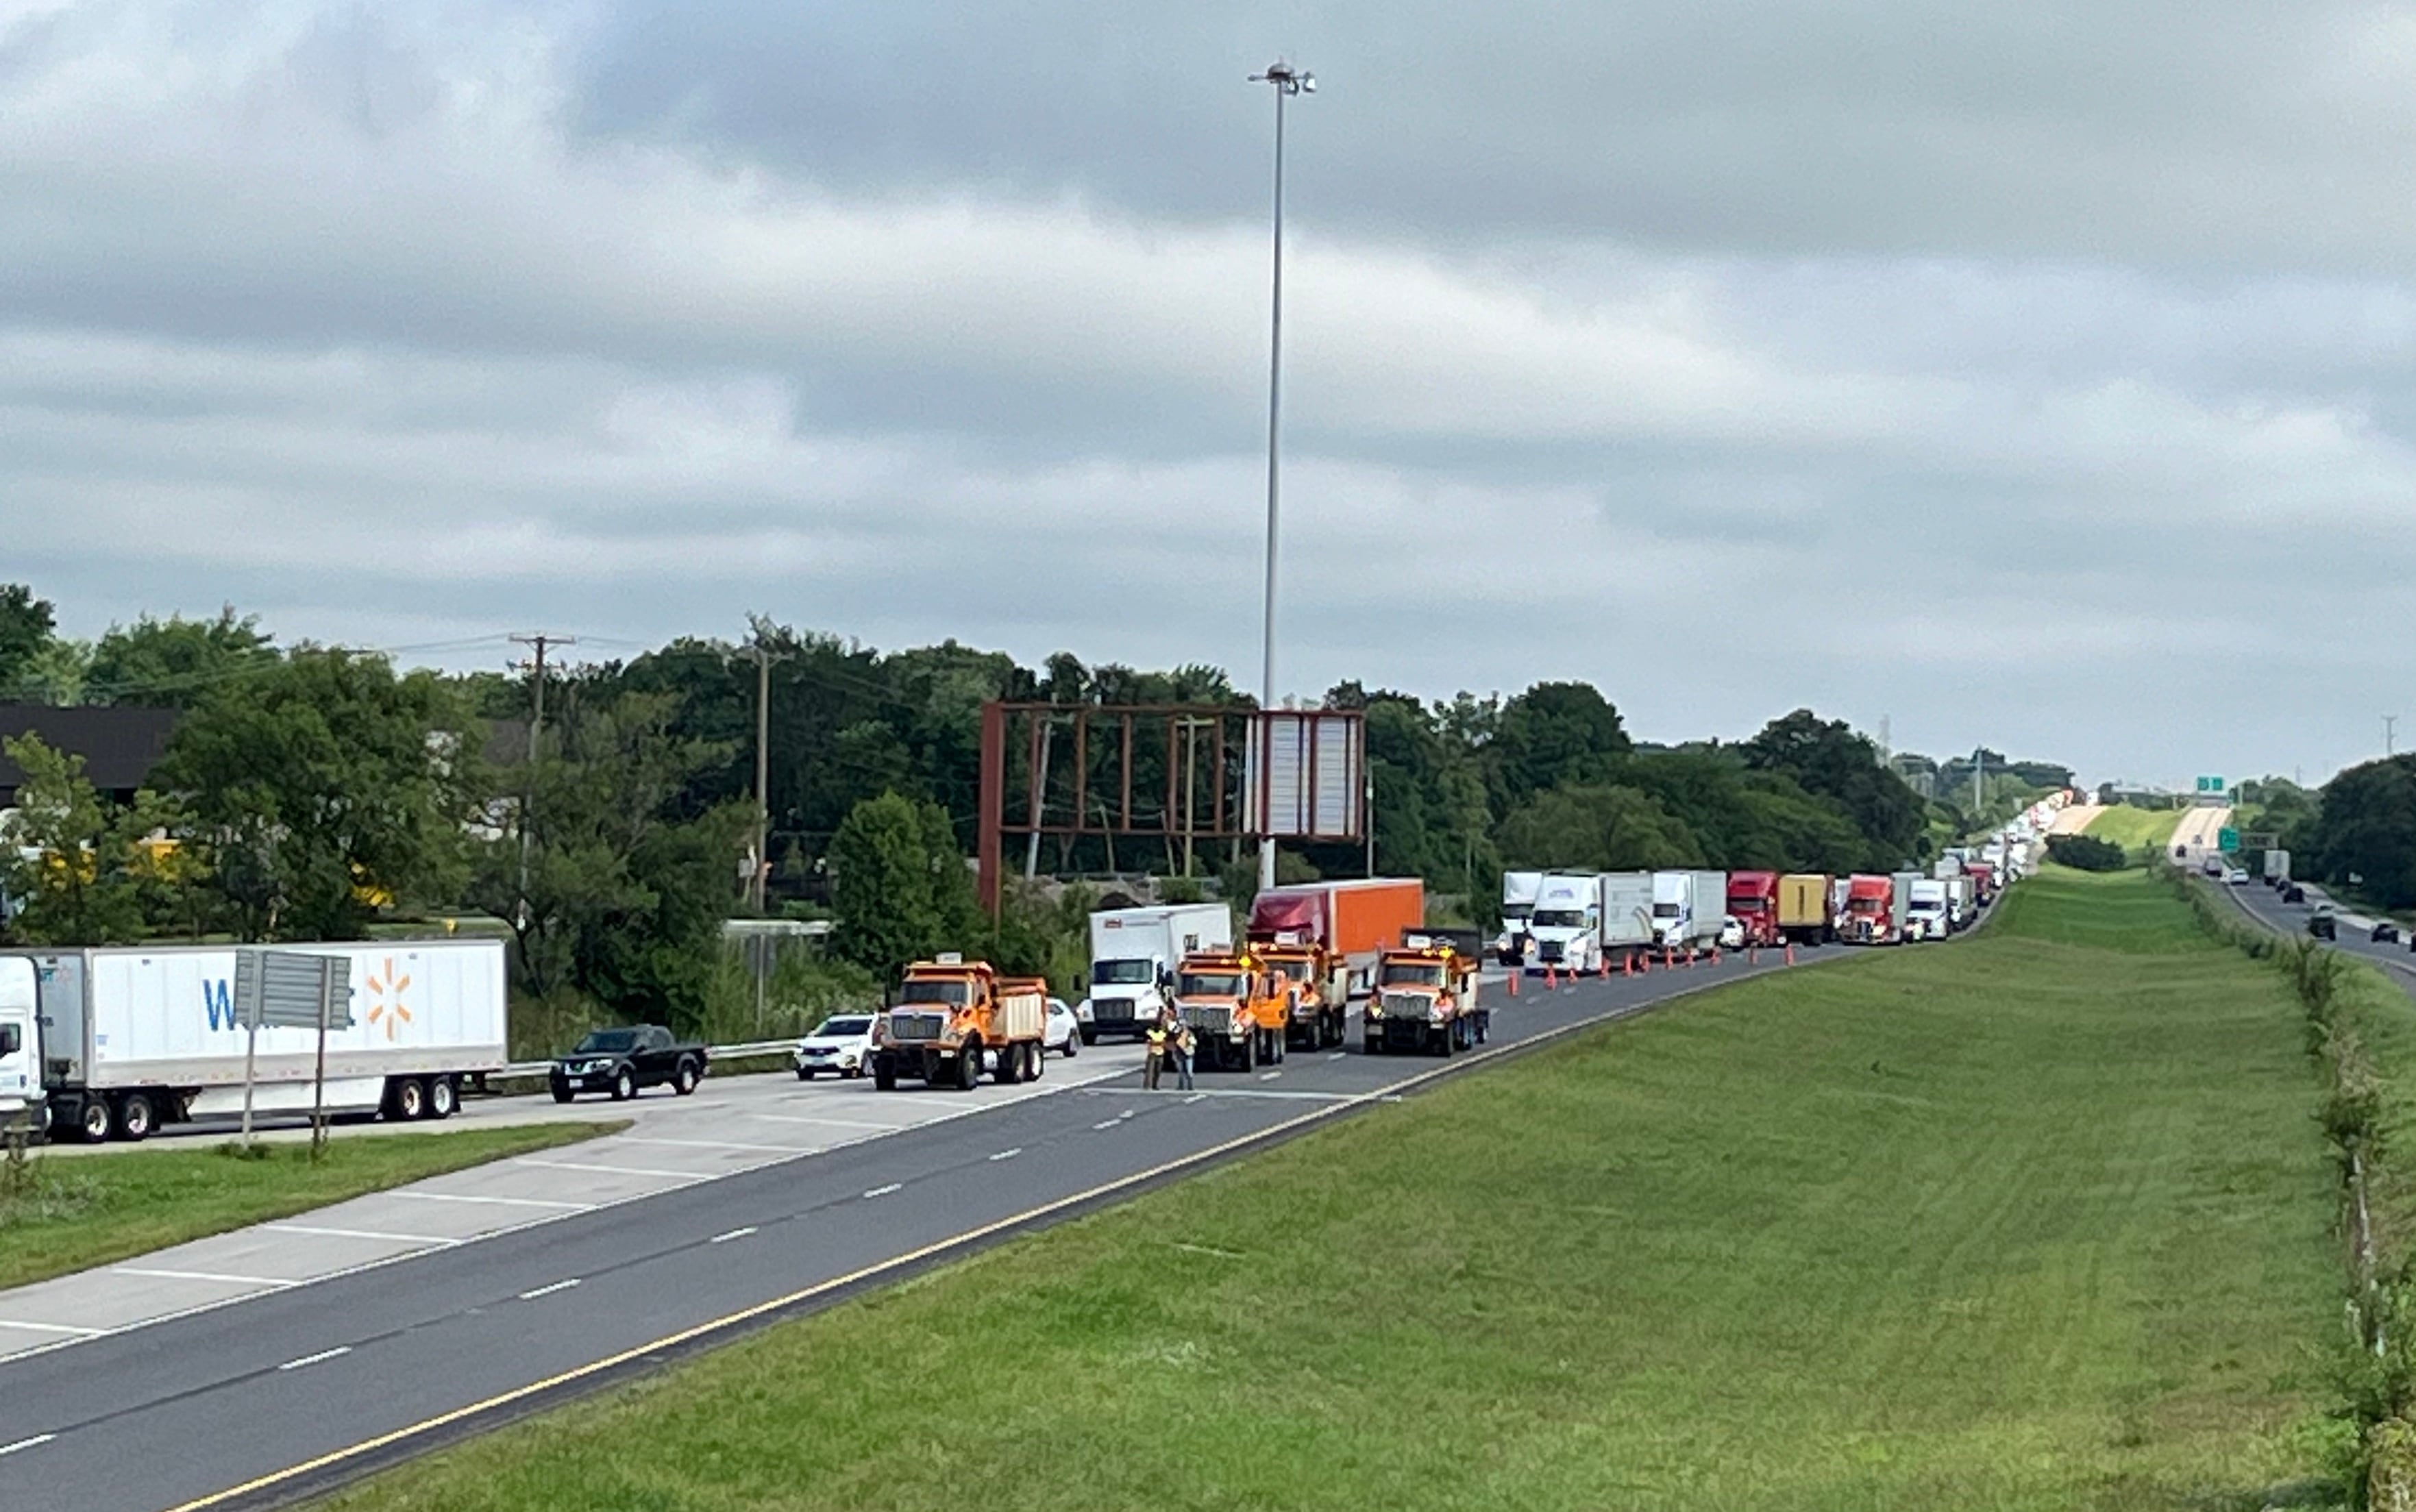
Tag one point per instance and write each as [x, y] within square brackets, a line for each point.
[68, 1215]
[2038, 1220]
[2132, 828]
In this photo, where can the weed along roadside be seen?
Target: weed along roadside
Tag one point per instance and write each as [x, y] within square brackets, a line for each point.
[2039, 1221]
[2360, 1034]
[61, 1216]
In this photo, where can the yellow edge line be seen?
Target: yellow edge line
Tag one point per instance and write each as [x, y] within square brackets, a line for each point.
[337, 1456]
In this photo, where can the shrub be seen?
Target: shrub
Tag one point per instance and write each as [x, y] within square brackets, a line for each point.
[2086, 853]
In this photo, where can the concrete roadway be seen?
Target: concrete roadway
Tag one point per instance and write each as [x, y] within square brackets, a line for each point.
[291, 1389]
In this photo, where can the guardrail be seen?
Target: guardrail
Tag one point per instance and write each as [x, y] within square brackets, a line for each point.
[536, 1070]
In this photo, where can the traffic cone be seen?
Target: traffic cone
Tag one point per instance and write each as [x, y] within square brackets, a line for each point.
[1715, 955]
[1551, 978]
[1627, 964]
[1791, 952]
[1515, 972]
[1602, 966]
[1753, 955]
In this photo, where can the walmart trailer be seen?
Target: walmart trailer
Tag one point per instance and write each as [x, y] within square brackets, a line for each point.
[136, 1038]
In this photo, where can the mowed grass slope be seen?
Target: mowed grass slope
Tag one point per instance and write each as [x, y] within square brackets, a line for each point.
[2037, 1220]
[2131, 827]
[70, 1214]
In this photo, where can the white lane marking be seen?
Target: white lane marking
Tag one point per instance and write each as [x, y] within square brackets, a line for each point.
[1107, 1123]
[53, 1329]
[1008, 1155]
[200, 1276]
[314, 1359]
[1197, 1096]
[611, 1171]
[499, 1202]
[549, 1291]
[359, 1234]
[734, 1233]
[1269, 1076]
[1127, 1112]
[835, 1123]
[36, 1442]
[1337, 1056]
[722, 1144]
[883, 1191]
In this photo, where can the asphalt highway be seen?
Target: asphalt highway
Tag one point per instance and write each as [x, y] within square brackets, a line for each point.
[2264, 905]
[278, 1396]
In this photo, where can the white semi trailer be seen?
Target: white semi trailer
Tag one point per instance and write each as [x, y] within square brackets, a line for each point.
[130, 1039]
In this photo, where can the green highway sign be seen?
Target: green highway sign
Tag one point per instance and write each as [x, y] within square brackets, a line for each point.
[2211, 785]
[2227, 839]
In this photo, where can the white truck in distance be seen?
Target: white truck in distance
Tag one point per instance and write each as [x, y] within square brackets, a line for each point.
[136, 1037]
[1566, 927]
[1688, 908]
[1134, 951]
[21, 1080]
[1626, 912]
[1926, 916]
[1519, 890]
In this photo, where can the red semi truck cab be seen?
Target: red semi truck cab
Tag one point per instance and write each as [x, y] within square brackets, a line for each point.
[1753, 901]
[1983, 878]
[1870, 911]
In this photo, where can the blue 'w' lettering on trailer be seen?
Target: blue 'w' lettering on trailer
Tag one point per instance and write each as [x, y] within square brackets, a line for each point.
[218, 1003]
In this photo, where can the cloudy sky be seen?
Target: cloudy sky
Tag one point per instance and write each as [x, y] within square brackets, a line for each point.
[2042, 375]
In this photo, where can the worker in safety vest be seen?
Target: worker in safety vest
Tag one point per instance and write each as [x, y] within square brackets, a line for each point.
[1161, 1034]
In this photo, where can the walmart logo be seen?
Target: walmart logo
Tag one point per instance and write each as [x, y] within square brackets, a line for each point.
[217, 1001]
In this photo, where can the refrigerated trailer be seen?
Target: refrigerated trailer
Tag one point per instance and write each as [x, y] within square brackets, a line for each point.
[136, 1038]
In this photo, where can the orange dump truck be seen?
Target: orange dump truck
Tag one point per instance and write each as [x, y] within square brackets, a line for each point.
[951, 1013]
[1352, 919]
[1426, 998]
[1317, 992]
[1237, 1008]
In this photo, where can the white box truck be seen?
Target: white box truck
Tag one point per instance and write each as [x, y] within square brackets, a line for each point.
[1134, 952]
[1626, 912]
[135, 1037]
[21, 1067]
[1925, 914]
[2277, 866]
[1688, 908]
[1519, 890]
[1962, 902]
[1566, 927]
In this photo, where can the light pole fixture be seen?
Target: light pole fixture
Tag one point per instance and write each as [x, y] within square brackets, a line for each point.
[1287, 82]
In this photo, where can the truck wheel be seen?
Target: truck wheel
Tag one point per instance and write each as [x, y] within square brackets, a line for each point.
[562, 1093]
[884, 1075]
[1009, 1068]
[1088, 1035]
[625, 1084]
[406, 1099]
[443, 1098]
[969, 1068]
[135, 1120]
[1035, 1057]
[683, 1079]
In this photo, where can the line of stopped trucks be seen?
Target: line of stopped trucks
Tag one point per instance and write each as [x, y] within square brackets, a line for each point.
[116, 1043]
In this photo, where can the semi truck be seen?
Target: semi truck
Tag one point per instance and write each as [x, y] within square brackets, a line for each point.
[1807, 909]
[1687, 908]
[1984, 880]
[2277, 866]
[1134, 952]
[951, 1015]
[1519, 890]
[1873, 912]
[1566, 927]
[1753, 902]
[1317, 992]
[1925, 916]
[1425, 998]
[128, 1041]
[1237, 1010]
[1351, 919]
[1626, 913]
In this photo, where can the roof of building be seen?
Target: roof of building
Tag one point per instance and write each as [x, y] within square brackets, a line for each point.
[119, 745]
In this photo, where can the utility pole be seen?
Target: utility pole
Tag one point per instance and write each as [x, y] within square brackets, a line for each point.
[758, 879]
[1979, 765]
[1287, 82]
[537, 643]
[2388, 720]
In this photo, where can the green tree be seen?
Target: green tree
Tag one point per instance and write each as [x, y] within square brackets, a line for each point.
[898, 885]
[26, 624]
[175, 662]
[1829, 760]
[1595, 828]
[2365, 827]
[57, 674]
[323, 789]
[70, 868]
[1555, 734]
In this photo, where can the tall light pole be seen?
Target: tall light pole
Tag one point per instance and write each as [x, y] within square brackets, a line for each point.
[1287, 82]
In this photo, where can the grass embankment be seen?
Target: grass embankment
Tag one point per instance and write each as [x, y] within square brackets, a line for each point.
[70, 1214]
[2135, 828]
[2038, 1220]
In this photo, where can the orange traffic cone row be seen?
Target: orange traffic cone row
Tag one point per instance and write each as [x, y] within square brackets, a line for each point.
[1515, 972]
[1551, 976]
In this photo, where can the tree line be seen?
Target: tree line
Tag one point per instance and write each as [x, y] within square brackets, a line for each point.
[314, 792]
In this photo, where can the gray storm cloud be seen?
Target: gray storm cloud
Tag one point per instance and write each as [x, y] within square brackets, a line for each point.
[2038, 379]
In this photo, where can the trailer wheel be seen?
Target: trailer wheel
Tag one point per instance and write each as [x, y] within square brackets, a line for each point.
[406, 1099]
[1009, 1068]
[443, 1098]
[135, 1119]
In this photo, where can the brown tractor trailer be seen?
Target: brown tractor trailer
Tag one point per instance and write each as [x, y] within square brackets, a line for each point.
[952, 1017]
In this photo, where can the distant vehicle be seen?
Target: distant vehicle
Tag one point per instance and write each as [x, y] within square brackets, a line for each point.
[2293, 893]
[2213, 867]
[1133, 955]
[2321, 924]
[1062, 1033]
[2385, 932]
[842, 1043]
[625, 1062]
[1732, 932]
[2235, 878]
[2181, 853]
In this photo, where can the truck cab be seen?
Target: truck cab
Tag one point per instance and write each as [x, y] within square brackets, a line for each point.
[1870, 911]
[1319, 1004]
[1425, 999]
[1519, 890]
[1925, 916]
[952, 1013]
[1753, 901]
[1566, 925]
[21, 1046]
[1236, 1008]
